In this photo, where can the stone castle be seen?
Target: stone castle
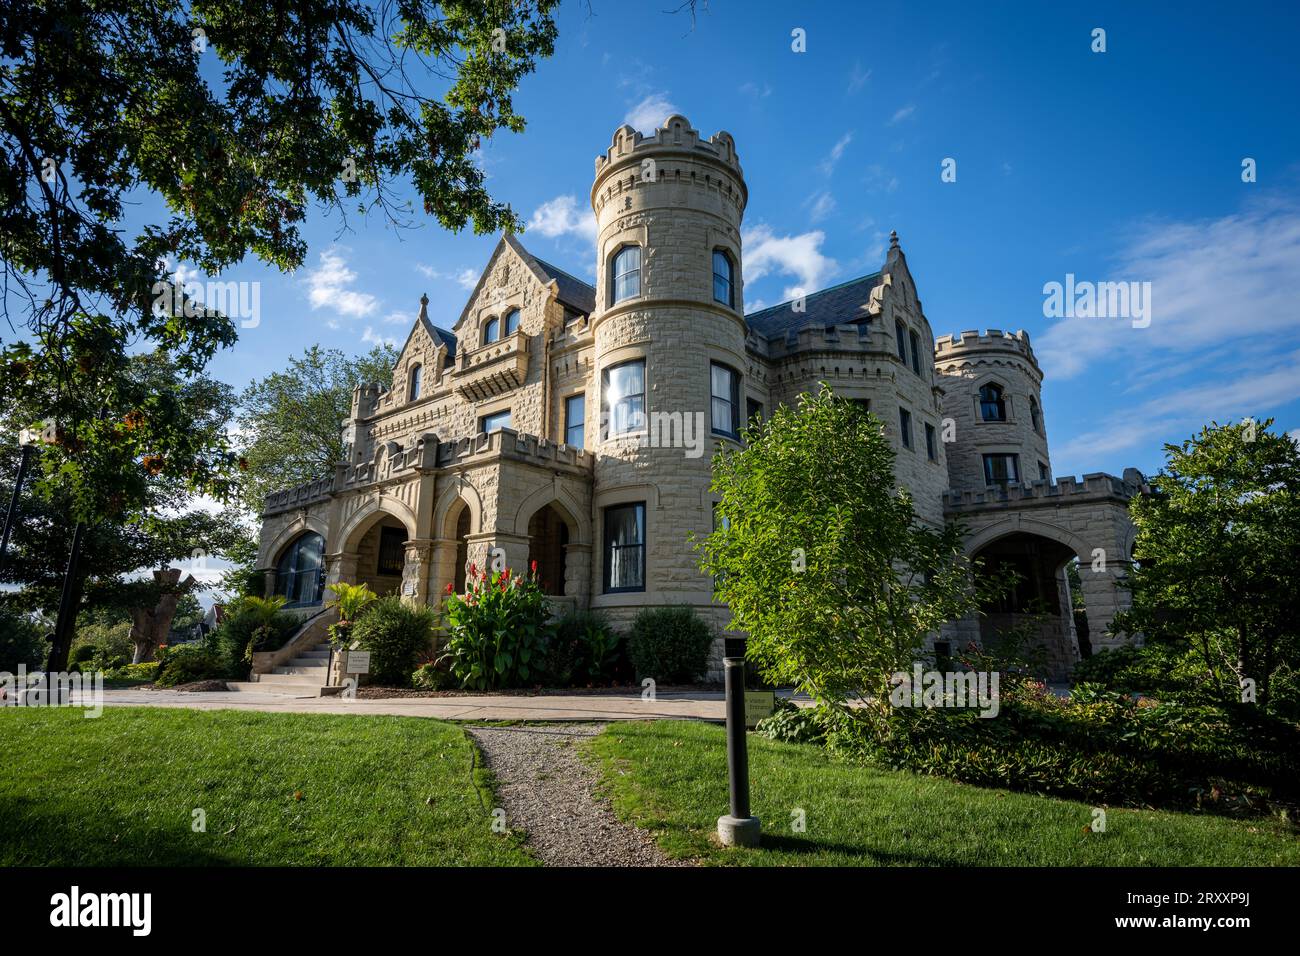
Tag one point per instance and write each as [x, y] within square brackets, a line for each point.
[573, 425]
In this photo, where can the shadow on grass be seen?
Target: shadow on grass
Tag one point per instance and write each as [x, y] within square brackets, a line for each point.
[32, 834]
[801, 845]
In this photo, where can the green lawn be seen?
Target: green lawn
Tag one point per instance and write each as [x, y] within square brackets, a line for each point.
[288, 789]
[671, 777]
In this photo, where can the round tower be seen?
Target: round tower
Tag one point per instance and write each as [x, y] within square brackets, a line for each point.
[669, 357]
[993, 408]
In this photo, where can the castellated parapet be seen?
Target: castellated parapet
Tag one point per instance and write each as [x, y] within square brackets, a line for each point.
[1003, 435]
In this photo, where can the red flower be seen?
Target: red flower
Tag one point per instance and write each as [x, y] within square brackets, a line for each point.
[505, 581]
[450, 587]
[473, 570]
[533, 566]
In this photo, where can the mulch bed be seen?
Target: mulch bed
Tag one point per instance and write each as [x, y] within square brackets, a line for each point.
[199, 686]
[381, 693]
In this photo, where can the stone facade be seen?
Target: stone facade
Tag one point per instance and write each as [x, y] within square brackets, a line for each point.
[473, 452]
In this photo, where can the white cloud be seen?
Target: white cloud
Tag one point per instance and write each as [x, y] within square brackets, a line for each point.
[858, 77]
[1232, 279]
[561, 216]
[328, 284]
[650, 112]
[833, 157]
[758, 92]
[1177, 414]
[465, 278]
[901, 114]
[799, 256]
[820, 205]
[371, 337]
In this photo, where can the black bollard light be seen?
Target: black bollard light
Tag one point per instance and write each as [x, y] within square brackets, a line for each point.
[739, 827]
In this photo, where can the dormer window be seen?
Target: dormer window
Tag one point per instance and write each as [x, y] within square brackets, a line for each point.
[993, 407]
[625, 274]
[492, 330]
[512, 322]
[722, 284]
[417, 376]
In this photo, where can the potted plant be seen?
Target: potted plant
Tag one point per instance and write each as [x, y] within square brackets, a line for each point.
[351, 600]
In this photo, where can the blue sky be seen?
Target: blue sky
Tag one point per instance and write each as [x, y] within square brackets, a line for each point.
[1117, 166]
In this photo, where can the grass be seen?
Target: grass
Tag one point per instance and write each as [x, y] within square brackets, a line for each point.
[276, 789]
[670, 777]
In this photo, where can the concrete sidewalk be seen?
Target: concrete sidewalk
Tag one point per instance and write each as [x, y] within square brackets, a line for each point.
[550, 707]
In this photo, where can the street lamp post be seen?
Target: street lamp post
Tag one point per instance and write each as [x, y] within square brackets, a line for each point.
[739, 827]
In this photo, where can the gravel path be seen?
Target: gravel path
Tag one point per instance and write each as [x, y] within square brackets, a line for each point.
[546, 789]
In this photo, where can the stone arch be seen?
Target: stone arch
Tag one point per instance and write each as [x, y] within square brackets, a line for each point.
[355, 528]
[986, 536]
[291, 532]
[446, 510]
[574, 515]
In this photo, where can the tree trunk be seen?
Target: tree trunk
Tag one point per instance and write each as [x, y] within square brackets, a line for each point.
[150, 626]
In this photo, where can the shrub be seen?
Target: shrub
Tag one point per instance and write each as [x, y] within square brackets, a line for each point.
[252, 624]
[21, 642]
[497, 631]
[189, 663]
[147, 671]
[583, 650]
[394, 633]
[669, 644]
[1101, 746]
[794, 725]
[429, 676]
[84, 653]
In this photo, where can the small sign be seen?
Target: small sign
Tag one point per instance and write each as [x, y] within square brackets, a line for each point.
[758, 704]
[408, 587]
[358, 662]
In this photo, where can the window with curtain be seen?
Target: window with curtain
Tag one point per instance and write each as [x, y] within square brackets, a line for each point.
[300, 572]
[575, 420]
[1001, 469]
[724, 384]
[993, 407]
[491, 331]
[622, 398]
[512, 322]
[417, 375]
[625, 547]
[625, 274]
[722, 284]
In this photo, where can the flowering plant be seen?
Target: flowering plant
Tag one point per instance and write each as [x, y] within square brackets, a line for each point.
[497, 630]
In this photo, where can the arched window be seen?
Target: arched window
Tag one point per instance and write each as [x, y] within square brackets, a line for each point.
[916, 351]
[722, 286]
[900, 337]
[512, 322]
[992, 406]
[625, 274]
[300, 572]
[491, 331]
[1035, 416]
[417, 374]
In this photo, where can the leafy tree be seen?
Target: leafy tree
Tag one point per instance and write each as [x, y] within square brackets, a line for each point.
[332, 102]
[292, 421]
[821, 558]
[1217, 556]
[147, 520]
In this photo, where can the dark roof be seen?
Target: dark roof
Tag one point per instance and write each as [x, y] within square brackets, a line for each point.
[573, 291]
[839, 305]
[443, 336]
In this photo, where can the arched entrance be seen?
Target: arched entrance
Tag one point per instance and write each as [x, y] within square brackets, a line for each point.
[373, 551]
[300, 570]
[548, 542]
[1037, 612]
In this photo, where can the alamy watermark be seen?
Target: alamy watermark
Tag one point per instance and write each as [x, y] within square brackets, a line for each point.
[53, 689]
[1098, 300]
[974, 690]
[234, 300]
